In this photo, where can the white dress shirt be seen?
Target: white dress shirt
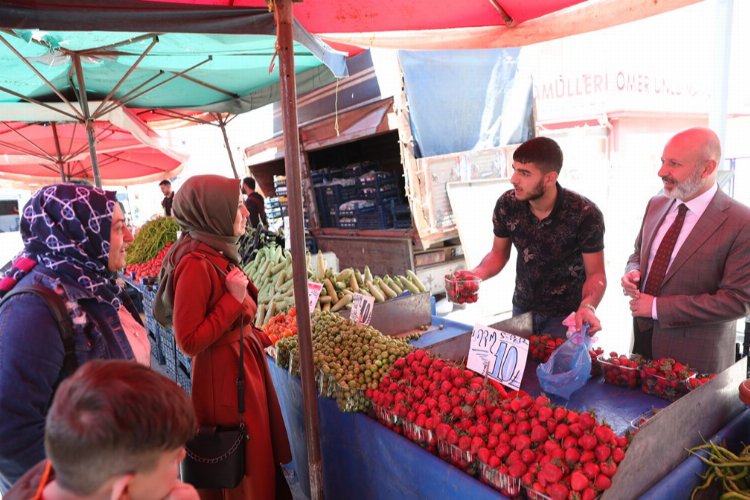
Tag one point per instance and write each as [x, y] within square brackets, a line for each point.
[696, 207]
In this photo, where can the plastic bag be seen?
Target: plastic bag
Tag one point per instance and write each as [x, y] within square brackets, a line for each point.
[569, 367]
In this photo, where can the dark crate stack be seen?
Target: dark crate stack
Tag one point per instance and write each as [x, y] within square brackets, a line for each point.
[172, 361]
[277, 209]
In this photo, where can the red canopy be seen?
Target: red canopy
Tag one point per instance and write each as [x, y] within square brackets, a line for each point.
[456, 24]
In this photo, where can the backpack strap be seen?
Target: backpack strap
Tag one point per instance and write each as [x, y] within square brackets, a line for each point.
[56, 306]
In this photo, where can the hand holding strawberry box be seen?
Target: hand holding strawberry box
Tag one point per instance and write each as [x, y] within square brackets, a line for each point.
[462, 287]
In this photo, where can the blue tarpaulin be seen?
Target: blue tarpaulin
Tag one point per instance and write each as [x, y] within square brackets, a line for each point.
[463, 100]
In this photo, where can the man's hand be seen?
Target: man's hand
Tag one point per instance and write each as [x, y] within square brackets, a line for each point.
[584, 314]
[631, 284]
[640, 306]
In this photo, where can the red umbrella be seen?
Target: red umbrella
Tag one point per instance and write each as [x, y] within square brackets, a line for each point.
[47, 151]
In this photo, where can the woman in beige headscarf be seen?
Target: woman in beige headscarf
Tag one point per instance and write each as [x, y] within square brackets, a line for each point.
[207, 297]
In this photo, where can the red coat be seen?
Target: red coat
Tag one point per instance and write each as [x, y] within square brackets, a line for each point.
[206, 325]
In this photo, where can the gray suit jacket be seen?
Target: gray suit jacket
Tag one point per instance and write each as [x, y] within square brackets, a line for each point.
[707, 286]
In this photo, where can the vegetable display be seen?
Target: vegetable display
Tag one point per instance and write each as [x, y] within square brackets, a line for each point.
[622, 370]
[271, 272]
[350, 358]
[281, 326]
[151, 238]
[731, 471]
[148, 269]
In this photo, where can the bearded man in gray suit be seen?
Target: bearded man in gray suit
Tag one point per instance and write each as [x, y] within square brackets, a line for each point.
[689, 276]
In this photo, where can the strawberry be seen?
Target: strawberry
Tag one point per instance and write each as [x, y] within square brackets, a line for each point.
[517, 470]
[578, 481]
[557, 491]
[523, 442]
[484, 455]
[589, 494]
[551, 473]
[587, 456]
[528, 456]
[562, 431]
[617, 455]
[502, 450]
[608, 468]
[560, 413]
[590, 470]
[538, 434]
[587, 442]
[572, 456]
[602, 482]
[604, 434]
[464, 443]
[602, 452]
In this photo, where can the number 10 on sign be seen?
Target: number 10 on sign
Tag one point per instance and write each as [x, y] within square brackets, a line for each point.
[362, 309]
[498, 355]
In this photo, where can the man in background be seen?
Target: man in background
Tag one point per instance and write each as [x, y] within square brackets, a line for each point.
[166, 203]
[689, 276]
[254, 203]
[115, 430]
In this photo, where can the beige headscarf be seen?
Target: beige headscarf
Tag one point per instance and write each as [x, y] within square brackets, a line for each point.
[205, 206]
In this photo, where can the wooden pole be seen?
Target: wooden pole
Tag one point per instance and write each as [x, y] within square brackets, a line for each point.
[284, 19]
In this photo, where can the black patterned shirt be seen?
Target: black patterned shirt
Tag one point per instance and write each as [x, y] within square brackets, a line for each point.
[549, 266]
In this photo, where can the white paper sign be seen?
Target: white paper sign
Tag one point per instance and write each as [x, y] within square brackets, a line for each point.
[498, 355]
[313, 292]
[362, 309]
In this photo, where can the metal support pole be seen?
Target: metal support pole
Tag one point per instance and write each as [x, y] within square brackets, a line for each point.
[88, 121]
[58, 158]
[284, 19]
[223, 127]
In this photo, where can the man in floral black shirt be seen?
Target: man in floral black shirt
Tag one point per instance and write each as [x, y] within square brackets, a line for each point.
[559, 236]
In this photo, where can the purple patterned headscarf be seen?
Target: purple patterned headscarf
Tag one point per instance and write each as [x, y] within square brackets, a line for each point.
[66, 227]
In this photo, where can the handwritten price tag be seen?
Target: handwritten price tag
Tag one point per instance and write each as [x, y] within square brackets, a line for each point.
[498, 355]
[313, 292]
[362, 309]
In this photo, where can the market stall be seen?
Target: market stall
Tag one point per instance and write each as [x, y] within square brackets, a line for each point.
[359, 452]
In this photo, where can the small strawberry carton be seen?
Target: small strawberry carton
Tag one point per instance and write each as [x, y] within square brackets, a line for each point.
[596, 366]
[643, 419]
[505, 483]
[542, 346]
[457, 456]
[386, 417]
[533, 494]
[462, 287]
[665, 378]
[621, 369]
[699, 380]
[426, 438]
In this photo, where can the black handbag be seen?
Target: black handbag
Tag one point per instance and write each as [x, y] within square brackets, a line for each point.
[215, 457]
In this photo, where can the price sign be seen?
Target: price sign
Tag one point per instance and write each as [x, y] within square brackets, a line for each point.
[313, 292]
[362, 309]
[498, 355]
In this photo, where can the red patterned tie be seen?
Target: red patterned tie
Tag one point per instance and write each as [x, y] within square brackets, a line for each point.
[664, 254]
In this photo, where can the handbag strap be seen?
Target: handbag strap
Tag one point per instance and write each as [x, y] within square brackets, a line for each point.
[241, 371]
[241, 364]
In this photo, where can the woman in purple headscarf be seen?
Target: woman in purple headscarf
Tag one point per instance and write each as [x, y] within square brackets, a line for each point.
[75, 238]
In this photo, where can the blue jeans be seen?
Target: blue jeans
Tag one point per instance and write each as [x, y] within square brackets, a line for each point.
[551, 325]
